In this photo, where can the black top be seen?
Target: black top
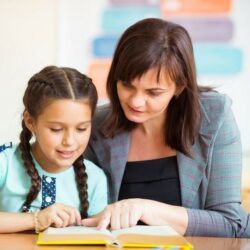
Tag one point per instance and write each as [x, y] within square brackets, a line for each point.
[152, 179]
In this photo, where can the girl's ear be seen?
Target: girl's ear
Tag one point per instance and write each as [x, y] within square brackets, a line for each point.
[29, 121]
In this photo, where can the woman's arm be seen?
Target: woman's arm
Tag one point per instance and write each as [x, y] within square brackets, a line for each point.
[223, 215]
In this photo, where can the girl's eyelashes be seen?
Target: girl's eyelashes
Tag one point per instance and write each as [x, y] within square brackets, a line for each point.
[81, 129]
[56, 129]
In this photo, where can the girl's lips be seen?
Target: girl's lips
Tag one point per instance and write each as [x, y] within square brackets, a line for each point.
[66, 154]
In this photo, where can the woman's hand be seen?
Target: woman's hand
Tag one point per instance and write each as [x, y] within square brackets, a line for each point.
[128, 212]
[58, 215]
[121, 214]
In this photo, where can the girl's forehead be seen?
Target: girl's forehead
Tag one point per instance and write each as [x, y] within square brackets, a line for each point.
[65, 106]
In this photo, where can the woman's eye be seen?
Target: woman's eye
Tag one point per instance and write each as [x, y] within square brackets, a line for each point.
[154, 93]
[126, 84]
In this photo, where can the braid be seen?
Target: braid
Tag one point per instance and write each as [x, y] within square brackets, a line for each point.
[24, 146]
[81, 180]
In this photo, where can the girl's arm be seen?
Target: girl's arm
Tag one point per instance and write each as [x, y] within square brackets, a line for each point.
[56, 215]
[16, 222]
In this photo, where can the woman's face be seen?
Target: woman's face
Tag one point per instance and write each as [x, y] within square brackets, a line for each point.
[145, 99]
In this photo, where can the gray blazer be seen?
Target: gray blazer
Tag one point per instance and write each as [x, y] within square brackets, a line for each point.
[210, 181]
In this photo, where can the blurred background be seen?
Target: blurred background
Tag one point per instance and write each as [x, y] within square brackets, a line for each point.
[83, 34]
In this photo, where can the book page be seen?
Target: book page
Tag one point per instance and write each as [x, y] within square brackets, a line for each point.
[76, 230]
[147, 230]
[150, 236]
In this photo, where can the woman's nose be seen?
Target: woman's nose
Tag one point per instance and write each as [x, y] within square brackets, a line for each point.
[137, 100]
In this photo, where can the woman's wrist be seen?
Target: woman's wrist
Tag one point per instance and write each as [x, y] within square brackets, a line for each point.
[158, 213]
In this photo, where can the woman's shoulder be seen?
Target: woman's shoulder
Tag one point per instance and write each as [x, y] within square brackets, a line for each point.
[214, 104]
[214, 99]
[101, 113]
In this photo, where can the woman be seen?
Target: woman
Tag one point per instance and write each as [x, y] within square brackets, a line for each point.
[171, 149]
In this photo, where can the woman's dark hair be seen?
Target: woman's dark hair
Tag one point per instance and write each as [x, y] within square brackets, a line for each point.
[167, 47]
[54, 83]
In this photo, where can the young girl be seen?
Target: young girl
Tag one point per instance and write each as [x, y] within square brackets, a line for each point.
[47, 182]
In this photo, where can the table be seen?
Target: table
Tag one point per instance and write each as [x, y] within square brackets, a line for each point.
[26, 241]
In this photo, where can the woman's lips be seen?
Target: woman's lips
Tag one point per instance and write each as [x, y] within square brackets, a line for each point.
[135, 110]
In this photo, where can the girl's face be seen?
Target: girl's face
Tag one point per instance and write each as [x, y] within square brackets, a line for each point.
[144, 100]
[61, 132]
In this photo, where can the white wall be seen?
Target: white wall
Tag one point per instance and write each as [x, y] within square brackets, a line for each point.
[41, 32]
[238, 86]
[34, 34]
[28, 31]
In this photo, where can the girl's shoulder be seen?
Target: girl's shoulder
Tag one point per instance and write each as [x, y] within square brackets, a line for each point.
[93, 169]
[9, 157]
[7, 152]
[96, 175]
[7, 147]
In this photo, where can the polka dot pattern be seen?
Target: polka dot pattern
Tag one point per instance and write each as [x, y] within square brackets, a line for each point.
[48, 191]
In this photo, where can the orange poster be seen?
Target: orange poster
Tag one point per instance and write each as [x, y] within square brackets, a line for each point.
[98, 71]
[187, 7]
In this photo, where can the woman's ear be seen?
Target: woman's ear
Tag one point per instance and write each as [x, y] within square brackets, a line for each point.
[29, 121]
[178, 91]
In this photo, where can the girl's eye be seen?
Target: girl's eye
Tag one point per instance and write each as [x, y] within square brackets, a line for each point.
[81, 129]
[56, 129]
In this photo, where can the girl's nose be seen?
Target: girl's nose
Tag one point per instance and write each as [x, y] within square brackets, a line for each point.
[68, 139]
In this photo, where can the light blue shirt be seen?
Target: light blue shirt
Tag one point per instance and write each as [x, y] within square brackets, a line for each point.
[15, 184]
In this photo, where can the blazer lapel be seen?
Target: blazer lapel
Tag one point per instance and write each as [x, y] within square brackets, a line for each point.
[119, 146]
[192, 170]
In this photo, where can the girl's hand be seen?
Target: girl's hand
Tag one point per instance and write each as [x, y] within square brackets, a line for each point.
[58, 215]
[121, 214]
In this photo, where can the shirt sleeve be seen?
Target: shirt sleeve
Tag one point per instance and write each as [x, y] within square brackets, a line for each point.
[97, 188]
[223, 215]
[3, 169]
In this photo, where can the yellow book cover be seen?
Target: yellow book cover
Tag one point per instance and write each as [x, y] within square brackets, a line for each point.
[138, 236]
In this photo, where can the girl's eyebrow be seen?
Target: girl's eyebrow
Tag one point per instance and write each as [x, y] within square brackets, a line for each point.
[62, 123]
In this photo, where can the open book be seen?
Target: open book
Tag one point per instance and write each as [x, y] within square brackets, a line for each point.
[138, 236]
